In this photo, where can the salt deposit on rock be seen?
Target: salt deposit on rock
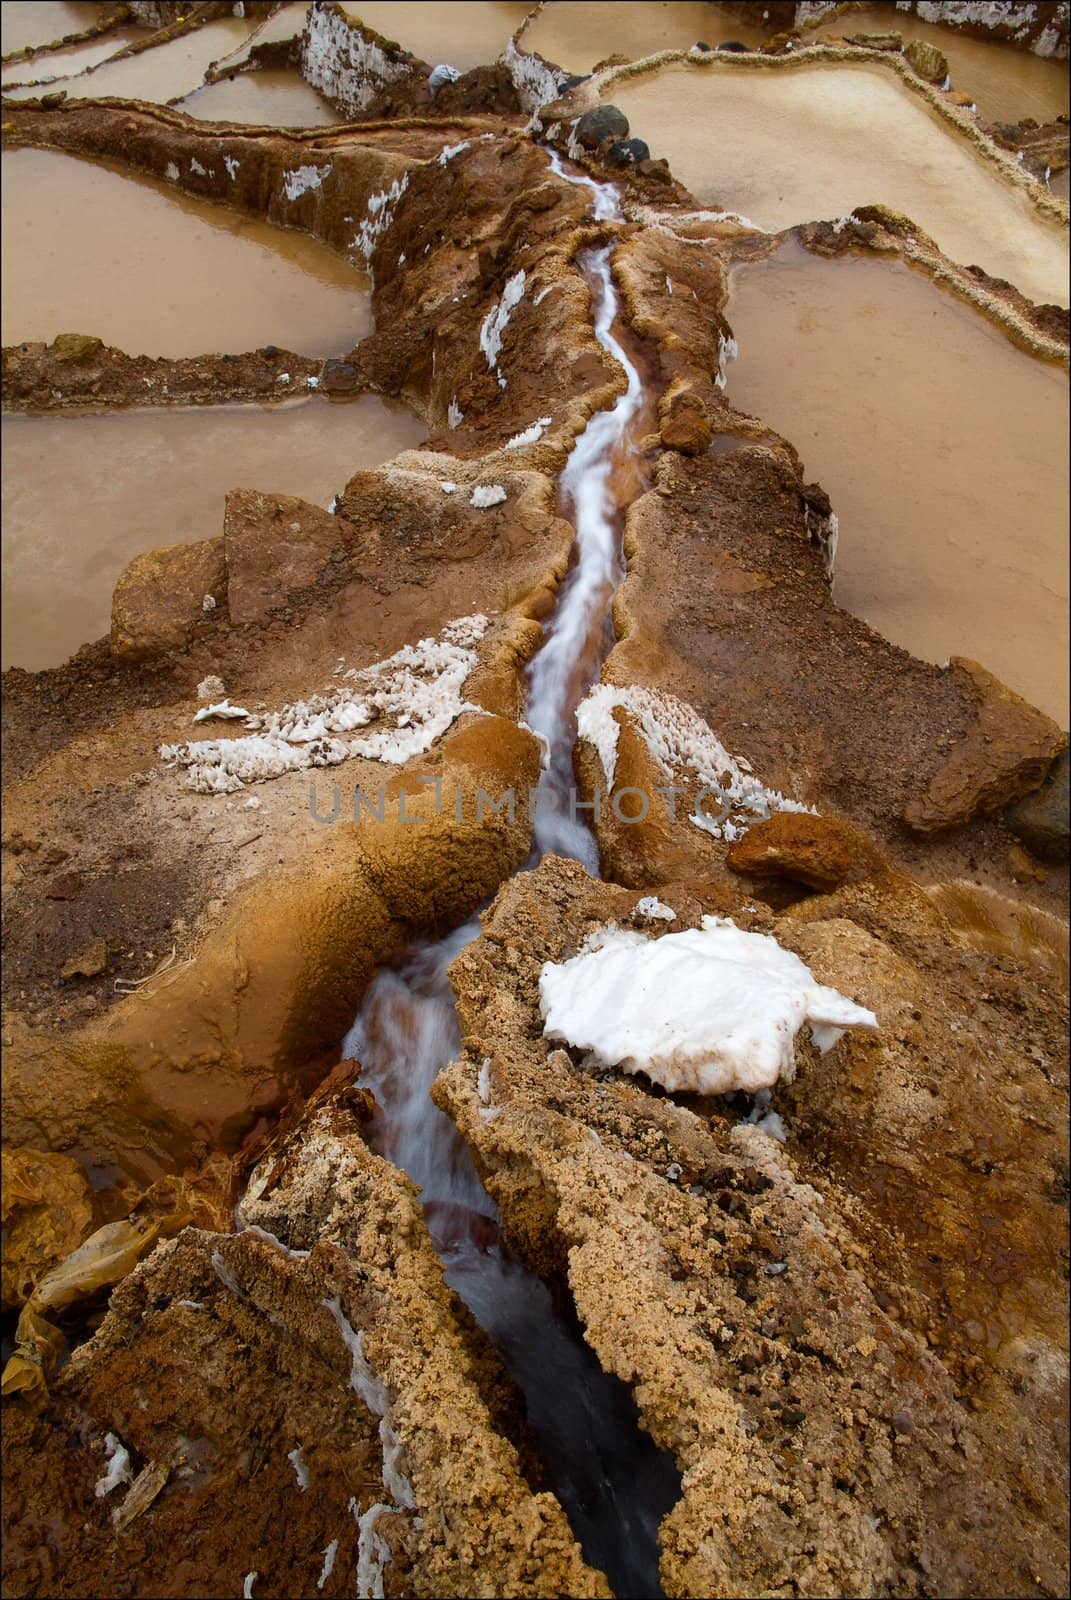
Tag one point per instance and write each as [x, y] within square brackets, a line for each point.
[680, 741]
[496, 320]
[487, 494]
[530, 435]
[704, 1012]
[417, 691]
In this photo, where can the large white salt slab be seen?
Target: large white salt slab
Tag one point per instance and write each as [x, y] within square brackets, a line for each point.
[704, 1012]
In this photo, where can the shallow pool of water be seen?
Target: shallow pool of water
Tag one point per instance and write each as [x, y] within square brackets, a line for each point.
[62, 63]
[465, 33]
[942, 447]
[786, 145]
[275, 98]
[163, 73]
[578, 34]
[82, 495]
[1005, 84]
[26, 23]
[154, 272]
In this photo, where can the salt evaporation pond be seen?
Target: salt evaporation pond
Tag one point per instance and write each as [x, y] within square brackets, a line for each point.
[155, 272]
[82, 495]
[26, 23]
[464, 34]
[272, 98]
[1005, 84]
[791, 144]
[164, 73]
[941, 445]
[579, 34]
[61, 63]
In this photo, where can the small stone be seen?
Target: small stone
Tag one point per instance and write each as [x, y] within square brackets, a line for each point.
[685, 424]
[822, 852]
[159, 598]
[65, 886]
[1040, 819]
[600, 124]
[902, 1422]
[878, 41]
[1006, 752]
[655, 171]
[927, 61]
[626, 153]
[339, 377]
[75, 349]
[88, 963]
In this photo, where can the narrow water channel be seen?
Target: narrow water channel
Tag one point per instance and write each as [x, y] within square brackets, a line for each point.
[612, 1481]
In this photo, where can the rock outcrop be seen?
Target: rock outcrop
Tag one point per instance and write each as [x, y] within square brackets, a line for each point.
[836, 1410]
[163, 595]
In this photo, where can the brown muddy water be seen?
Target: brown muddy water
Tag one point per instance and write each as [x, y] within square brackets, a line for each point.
[942, 447]
[164, 73]
[62, 63]
[276, 98]
[29, 23]
[83, 495]
[798, 144]
[1005, 84]
[578, 35]
[154, 272]
[464, 34]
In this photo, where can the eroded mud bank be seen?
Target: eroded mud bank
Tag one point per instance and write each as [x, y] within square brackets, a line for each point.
[845, 1340]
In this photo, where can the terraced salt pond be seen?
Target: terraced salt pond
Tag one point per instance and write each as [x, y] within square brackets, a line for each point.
[793, 144]
[941, 445]
[465, 33]
[61, 63]
[83, 495]
[1005, 84]
[155, 272]
[579, 34]
[272, 97]
[26, 23]
[163, 73]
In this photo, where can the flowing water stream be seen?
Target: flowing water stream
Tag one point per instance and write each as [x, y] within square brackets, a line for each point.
[614, 1484]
